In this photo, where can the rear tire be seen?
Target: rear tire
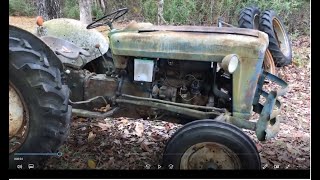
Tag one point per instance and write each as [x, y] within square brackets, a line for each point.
[226, 142]
[249, 18]
[46, 100]
[279, 41]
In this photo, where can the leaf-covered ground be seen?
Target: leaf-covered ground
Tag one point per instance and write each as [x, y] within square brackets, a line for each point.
[124, 143]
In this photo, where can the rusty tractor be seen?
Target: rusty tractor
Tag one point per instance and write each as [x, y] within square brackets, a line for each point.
[210, 78]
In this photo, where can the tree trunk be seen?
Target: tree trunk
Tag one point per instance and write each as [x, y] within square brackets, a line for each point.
[103, 6]
[161, 20]
[85, 11]
[211, 12]
[49, 9]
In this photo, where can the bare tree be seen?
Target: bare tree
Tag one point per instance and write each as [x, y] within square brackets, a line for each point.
[103, 6]
[211, 11]
[49, 9]
[85, 11]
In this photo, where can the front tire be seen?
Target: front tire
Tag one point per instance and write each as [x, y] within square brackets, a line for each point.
[45, 99]
[210, 144]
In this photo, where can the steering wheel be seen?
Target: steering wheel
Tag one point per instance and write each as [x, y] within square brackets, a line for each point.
[106, 20]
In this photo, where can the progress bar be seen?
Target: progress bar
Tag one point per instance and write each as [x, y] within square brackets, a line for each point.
[39, 154]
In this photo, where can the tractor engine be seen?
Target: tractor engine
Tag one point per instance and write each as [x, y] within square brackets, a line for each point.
[196, 83]
[183, 81]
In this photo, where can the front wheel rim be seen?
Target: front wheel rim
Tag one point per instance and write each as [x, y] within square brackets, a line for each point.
[209, 155]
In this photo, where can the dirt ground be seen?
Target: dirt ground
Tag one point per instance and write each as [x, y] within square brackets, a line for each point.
[124, 143]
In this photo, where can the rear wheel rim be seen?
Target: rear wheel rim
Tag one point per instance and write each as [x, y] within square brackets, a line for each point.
[282, 38]
[18, 119]
[209, 155]
[268, 63]
[256, 21]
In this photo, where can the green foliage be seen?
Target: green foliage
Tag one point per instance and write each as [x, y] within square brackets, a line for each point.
[179, 11]
[21, 8]
[97, 12]
[71, 9]
[150, 10]
[294, 13]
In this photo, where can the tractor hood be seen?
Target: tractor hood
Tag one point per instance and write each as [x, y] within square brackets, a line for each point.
[75, 32]
[188, 42]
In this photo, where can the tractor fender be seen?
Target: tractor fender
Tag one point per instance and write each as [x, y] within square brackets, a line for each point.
[37, 45]
[76, 32]
[68, 53]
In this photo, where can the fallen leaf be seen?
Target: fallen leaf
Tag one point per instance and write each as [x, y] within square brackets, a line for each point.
[168, 126]
[140, 140]
[117, 141]
[83, 128]
[139, 129]
[259, 148]
[155, 136]
[91, 164]
[291, 149]
[91, 136]
[269, 152]
[306, 148]
[103, 126]
[145, 147]
[125, 133]
[124, 121]
[159, 127]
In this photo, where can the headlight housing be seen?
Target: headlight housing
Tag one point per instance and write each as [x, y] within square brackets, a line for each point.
[230, 63]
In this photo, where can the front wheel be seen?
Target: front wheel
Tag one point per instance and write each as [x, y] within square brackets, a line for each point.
[210, 144]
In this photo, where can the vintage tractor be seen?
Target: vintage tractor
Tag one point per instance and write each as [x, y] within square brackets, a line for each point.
[211, 78]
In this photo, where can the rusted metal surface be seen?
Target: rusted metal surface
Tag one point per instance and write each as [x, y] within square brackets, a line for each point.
[134, 26]
[270, 109]
[273, 128]
[75, 81]
[202, 29]
[120, 62]
[268, 63]
[186, 45]
[92, 114]
[171, 108]
[219, 110]
[245, 80]
[209, 155]
[101, 85]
